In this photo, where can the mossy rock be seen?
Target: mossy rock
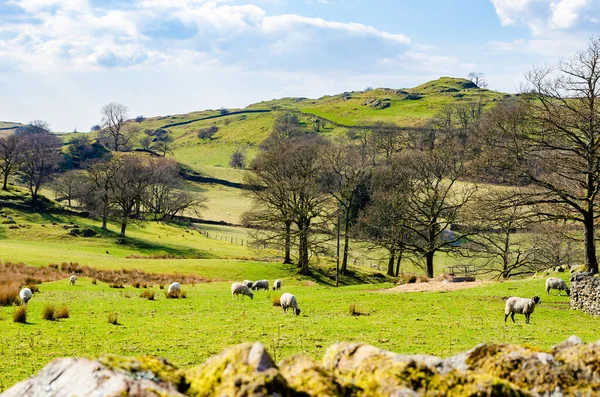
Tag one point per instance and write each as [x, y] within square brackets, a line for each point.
[307, 377]
[241, 371]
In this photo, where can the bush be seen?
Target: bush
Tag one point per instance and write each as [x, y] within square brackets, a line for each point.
[48, 313]
[276, 301]
[94, 281]
[34, 288]
[139, 119]
[115, 285]
[113, 318]
[223, 111]
[62, 312]
[352, 309]
[9, 294]
[146, 294]
[20, 314]
[95, 128]
[136, 284]
[161, 286]
[207, 133]
[238, 159]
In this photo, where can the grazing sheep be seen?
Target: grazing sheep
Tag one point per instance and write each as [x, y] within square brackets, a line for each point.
[521, 306]
[174, 288]
[72, 280]
[277, 285]
[25, 295]
[240, 289]
[261, 284]
[557, 283]
[248, 283]
[289, 300]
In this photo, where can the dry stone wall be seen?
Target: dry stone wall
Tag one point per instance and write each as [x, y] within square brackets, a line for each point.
[585, 293]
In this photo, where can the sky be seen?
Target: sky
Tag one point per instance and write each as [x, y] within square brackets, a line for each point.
[62, 60]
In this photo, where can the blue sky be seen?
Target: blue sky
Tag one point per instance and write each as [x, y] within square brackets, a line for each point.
[62, 60]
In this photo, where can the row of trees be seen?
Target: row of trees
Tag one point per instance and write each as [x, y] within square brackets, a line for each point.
[406, 190]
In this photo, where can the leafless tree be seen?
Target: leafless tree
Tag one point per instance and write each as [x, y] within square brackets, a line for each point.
[11, 156]
[478, 79]
[388, 139]
[114, 116]
[95, 191]
[66, 185]
[40, 150]
[347, 173]
[238, 159]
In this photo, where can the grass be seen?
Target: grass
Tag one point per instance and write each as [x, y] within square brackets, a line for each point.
[48, 313]
[20, 314]
[209, 320]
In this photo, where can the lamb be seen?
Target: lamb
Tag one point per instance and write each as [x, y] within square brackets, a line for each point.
[174, 288]
[289, 300]
[521, 306]
[277, 285]
[72, 280]
[25, 295]
[248, 283]
[557, 283]
[240, 289]
[261, 284]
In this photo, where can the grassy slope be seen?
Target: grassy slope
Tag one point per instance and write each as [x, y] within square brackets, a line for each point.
[190, 330]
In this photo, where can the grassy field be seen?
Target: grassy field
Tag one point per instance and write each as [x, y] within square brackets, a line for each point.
[187, 331]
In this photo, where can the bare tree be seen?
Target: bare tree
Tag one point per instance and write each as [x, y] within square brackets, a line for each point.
[347, 173]
[10, 157]
[66, 186]
[114, 116]
[163, 145]
[556, 146]
[41, 156]
[238, 159]
[95, 191]
[478, 79]
[387, 139]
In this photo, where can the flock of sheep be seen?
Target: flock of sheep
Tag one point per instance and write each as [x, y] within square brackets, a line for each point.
[514, 304]
[526, 306]
[287, 300]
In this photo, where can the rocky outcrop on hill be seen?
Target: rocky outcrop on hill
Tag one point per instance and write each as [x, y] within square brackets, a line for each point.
[348, 369]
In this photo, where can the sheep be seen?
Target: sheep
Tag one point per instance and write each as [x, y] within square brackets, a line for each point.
[557, 283]
[277, 285]
[289, 300]
[174, 289]
[25, 295]
[248, 283]
[240, 289]
[521, 306]
[72, 280]
[261, 284]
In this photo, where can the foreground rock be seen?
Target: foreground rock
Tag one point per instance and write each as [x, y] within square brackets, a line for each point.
[348, 369]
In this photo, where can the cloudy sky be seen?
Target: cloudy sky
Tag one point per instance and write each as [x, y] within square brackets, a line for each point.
[61, 60]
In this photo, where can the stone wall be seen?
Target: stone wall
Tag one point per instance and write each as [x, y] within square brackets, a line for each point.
[346, 370]
[585, 293]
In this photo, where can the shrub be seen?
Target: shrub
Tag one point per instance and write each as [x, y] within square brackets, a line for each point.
[139, 119]
[48, 313]
[32, 280]
[238, 159]
[34, 288]
[276, 301]
[223, 111]
[207, 133]
[412, 279]
[136, 284]
[62, 312]
[94, 281]
[146, 294]
[95, 128]
[161, 286]
[113, 318]
[20, 314]
[352, 309]
[9, 294]
[116, 285]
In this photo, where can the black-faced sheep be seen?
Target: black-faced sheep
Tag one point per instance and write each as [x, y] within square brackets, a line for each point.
[72, 280]
[277, 285]
[248, 283]
[557, 283]
[261, 284]
[288, 300]
[521, 306]
[25, 294]
[240, 289]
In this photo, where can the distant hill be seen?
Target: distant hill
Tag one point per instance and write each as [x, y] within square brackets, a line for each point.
[7, 127]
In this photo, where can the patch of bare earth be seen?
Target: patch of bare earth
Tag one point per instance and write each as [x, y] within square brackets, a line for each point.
[435, 286]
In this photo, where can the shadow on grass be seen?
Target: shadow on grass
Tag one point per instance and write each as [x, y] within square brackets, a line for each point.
[325, 277]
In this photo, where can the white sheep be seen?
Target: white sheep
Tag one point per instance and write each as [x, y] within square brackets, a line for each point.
[521, 306]
[174, 289]
[277, 285]
[72, 280]
[261, 284]
[288, 300]
[25, 295]
[557, 283]
[248, 283]
[240, 289]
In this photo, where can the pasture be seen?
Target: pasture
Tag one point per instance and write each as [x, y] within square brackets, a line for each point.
[187, 331]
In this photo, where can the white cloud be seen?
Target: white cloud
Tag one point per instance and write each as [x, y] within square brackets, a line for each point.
[565, 13]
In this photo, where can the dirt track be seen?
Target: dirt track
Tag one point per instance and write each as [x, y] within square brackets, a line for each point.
[435, 286]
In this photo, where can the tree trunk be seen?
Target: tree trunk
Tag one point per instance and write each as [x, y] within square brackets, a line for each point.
[591, 260]
[429, 263]
[105, 217]
[288, 242]
[303, 249]
[123, 226]
[5, 181]
[344, 268]
[391, 261]
[398, 261]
